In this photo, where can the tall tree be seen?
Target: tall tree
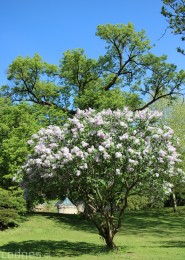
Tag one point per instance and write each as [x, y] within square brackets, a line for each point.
[17, 124]
[82, 82]
[174, 11]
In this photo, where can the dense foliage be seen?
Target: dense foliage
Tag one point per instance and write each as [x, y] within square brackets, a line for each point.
[17, 124]
[173, 115]
[122, 76]
[174, 12]
[11, 207]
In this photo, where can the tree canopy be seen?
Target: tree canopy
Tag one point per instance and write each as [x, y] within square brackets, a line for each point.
[174, 11]
[16, 126]
[126, 73]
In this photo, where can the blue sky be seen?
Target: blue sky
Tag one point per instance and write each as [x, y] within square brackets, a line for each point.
[50, 27]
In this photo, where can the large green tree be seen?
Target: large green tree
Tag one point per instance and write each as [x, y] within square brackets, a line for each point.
[174, 116]
[17, 124]
[121, 76]
[174, 11]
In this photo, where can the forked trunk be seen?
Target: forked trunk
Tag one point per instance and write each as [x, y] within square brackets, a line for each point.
[108, 234]
[110, 244]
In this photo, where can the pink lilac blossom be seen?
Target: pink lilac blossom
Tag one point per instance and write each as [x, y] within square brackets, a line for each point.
[136, 141]
[35, 136]
[162, 153]
[53, 145]
[123, 124]
[99, 121]
[123, 137]
[134, 162]
[84, 144]
[30, 142]
[106, 155]
[130, 150]
[118, 172]
[101, 134]
[118, 155]
[118, 146]
[91, 149]
[101, 148]
[106, 135]
[107, 143]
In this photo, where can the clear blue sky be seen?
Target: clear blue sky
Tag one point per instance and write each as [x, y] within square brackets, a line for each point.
[50, 27]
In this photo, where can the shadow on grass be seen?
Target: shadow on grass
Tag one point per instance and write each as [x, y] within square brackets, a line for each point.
[74, 222]
[51, 248]
[153, 222]
[167, 244]
[178, 244]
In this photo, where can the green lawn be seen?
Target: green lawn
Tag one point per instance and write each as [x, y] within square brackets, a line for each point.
[145, 235]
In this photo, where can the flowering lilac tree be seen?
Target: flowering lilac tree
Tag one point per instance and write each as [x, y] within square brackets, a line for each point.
[100, 158]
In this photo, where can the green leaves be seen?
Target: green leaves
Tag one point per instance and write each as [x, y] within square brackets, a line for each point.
[34, 80]
[121, 36]
[77, 71]
[174, 115]
[11, 205]
[124, 47]
[17, 124]
[162, 80]
[83, 82]
[115, 98]
[174, 12]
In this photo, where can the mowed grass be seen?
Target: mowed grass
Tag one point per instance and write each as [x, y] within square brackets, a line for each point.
[145, 235]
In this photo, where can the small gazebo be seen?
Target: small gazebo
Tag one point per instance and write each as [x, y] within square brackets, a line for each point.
[67, 207]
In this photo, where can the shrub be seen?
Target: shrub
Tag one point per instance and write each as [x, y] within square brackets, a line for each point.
[136, 202]
[12, 206]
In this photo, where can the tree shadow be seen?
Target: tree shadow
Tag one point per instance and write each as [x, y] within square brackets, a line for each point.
[74, 222]
[50, 248]
[178, 244]
[167, 244]
[153, 223]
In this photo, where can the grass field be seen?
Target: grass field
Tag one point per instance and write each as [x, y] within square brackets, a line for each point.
[145, 235]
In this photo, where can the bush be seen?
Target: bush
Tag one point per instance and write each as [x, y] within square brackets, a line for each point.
[136, 202]
[12, 206]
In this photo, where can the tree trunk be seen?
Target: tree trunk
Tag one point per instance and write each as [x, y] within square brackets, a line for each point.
[110, 244]
[107, 233]
[174, 202]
